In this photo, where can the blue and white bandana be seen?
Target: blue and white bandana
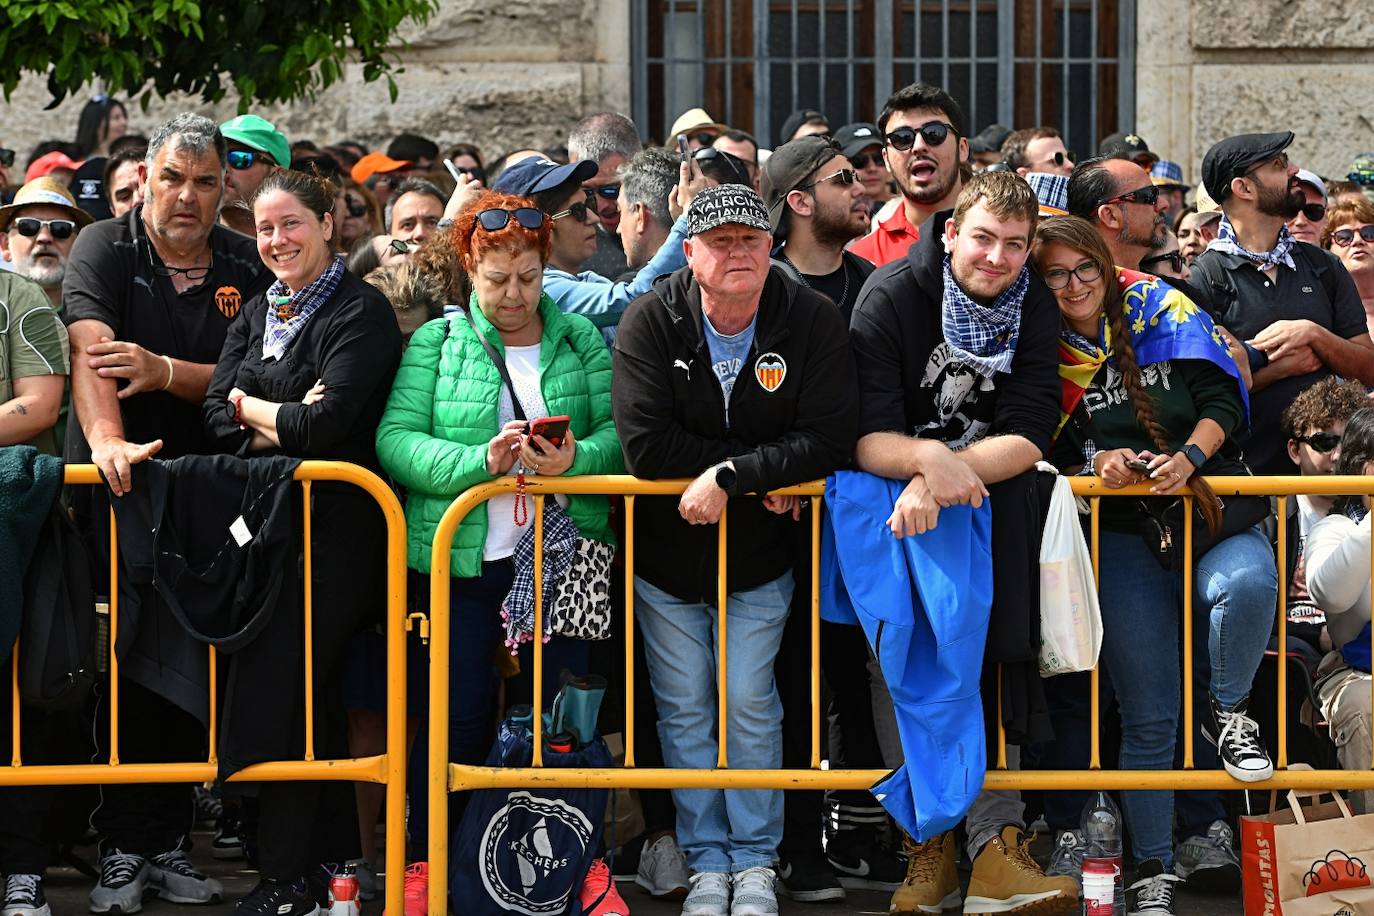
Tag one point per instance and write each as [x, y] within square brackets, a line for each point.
[1281, 253]
[983, 336]
[560, 546]
[278, 334]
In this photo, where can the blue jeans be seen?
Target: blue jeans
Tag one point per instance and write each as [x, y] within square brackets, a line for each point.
[719, 830]
[1236, 584]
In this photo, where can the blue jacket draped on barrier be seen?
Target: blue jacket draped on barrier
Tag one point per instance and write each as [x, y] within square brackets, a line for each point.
[923, 602]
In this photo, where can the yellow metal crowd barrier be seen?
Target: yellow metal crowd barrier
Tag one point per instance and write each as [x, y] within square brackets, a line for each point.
[445, 776]
[388, 768]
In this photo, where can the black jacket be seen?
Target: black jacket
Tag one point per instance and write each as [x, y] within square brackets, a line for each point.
[670, 415]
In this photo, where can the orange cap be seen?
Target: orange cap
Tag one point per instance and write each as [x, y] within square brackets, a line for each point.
[373, 163]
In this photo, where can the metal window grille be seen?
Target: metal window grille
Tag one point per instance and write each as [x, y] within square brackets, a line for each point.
[1022, 63]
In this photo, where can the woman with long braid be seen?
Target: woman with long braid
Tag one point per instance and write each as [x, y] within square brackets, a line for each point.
[1150, 393]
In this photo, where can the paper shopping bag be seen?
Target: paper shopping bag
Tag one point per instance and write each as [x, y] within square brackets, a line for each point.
[1308, 860]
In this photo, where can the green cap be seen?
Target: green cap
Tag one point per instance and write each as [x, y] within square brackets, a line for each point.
[259, 134]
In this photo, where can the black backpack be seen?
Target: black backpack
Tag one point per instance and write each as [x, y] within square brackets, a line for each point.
[59, 634]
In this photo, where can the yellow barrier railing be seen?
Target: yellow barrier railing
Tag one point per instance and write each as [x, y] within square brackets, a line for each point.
[445, 776]
[387, 768]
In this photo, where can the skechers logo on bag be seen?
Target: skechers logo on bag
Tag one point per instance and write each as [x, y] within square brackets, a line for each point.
[527, 851]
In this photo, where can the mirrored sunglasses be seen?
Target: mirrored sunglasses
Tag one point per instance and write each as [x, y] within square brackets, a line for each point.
[29, 227]
[607, 191]
[240, 159]
[932, 132]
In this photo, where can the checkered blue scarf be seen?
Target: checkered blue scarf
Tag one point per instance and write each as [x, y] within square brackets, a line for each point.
[1227, 243]
[560, 546]
[277, 334]
[983, 336]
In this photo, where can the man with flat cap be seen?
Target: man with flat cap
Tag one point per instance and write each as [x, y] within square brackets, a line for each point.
[1291, 302]
[729, 373]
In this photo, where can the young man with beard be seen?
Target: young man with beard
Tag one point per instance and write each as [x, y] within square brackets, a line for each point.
[958, 377]
[817, 205]
[1292, 302]
[924, 143]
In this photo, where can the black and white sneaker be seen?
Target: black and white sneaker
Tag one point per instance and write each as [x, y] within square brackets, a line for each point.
[227, 844]
[1237, 739]
[1153, 889]
[862, 862]
[24, 896]
[277, 898]
[123, 879]
[809, 879]
[208, 806]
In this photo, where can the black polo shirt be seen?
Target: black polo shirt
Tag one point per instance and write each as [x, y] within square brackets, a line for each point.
[112, 278]
[1241, 297]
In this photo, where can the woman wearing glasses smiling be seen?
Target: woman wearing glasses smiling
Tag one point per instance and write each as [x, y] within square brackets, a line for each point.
[1349, 234]
[452, 423]
[1150, 394]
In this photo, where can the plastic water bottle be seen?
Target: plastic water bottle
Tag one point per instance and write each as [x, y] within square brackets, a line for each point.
[1103, 894]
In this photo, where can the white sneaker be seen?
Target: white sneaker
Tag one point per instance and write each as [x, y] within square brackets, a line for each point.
[709, 896]
[663, 869]
[753, 893]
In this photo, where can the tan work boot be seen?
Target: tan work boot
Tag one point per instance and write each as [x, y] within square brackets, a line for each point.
[932, 881]
[1007, 880]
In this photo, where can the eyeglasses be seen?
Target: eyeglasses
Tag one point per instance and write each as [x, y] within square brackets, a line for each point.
[864, 160]
[6, 157]
[1058, 277]
[1060, 157]
[1174, 258]
[1148, 195]
[495, 219]
[240, 159]
[606, 191]
[579, 210]
[61, 229]
[1344, 237]
[356, 208]
[1320, 442]
[932, 132]
[843, 176]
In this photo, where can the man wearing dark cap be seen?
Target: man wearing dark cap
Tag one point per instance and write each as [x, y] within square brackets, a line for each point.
[986, 147]
[803, 123]
[817, 206]
[924, 145]
[862, 145]
[1292, 302]
[729, 373]
[1123, 145]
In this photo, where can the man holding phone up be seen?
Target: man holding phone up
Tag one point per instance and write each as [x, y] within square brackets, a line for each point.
[730, 373]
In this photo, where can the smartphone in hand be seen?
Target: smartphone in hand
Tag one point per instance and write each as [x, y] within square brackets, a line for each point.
[683, 150]
[551, 428]
[1140, 467]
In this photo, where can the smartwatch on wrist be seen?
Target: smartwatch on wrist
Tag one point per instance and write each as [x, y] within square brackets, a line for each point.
[726, 477]
[1196, 456]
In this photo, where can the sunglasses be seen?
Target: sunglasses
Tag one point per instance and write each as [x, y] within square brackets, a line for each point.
[495, 219]
[61, 229]
[932, 132]
[1147, 195]
[240, 159]
[1173, 258]
[401, 246]
[356, 208]
[578, 211]
[1058, 278]
[6, 157]
[704, 138]
[1342, 237]
[843, 176]
[1315, 213]
[1320, 442]
[864, 160]
[607, 191]
[1061, 157]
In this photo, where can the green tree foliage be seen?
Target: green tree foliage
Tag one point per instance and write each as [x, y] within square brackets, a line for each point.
[275, 51]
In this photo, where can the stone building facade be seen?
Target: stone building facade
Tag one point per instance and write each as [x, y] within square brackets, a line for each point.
[506, 74]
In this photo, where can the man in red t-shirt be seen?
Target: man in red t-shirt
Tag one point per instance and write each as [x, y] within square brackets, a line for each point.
[925, 143]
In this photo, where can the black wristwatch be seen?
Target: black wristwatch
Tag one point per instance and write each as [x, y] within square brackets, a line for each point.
[726, 477]
[1194, 454]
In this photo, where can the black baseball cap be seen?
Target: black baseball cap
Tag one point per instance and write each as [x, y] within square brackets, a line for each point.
[797, 118]
[989, 139]
[788, 168]
[1122, 145]
[1233, 157]
[855, 138]
[725, 204]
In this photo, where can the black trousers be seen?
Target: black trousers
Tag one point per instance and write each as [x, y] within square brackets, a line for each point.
[23, 809]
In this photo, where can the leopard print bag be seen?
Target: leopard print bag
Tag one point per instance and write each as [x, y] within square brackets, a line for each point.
[582, 603]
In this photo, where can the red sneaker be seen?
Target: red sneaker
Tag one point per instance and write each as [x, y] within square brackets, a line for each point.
[416, 890]
[598, 896]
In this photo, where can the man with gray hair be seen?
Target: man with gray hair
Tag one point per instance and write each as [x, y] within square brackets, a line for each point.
[148, 298]
[610, 140]
[414, 210]
[644, 219]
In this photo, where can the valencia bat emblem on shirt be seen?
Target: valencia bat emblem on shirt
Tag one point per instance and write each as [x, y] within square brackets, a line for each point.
[228, 301]
[770, 369]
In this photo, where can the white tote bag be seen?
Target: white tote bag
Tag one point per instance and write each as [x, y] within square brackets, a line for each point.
[1070, 617]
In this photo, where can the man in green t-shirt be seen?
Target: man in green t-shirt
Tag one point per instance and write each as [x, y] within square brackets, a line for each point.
[33, 364]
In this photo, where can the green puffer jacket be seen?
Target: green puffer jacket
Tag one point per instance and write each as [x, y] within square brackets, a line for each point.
[443, 411]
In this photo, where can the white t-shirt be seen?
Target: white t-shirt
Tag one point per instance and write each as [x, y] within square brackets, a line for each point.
[502, 532]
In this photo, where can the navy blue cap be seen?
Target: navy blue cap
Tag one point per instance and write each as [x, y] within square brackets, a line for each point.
[535, 174]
